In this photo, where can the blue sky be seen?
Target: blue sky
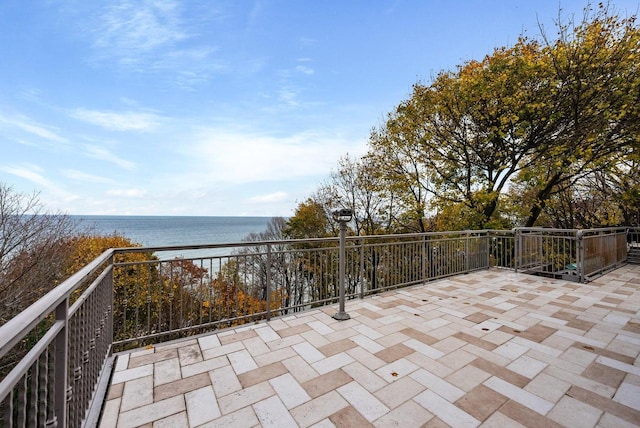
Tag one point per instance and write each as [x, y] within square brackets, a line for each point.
[205, 107]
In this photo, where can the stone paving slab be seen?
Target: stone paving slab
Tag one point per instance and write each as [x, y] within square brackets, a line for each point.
[490, 348]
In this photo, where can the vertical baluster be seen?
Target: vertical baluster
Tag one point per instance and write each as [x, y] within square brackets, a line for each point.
[33, 394]
[43, 381]
[73, 365]
[136, 302]
[6, 408]
[21, 405]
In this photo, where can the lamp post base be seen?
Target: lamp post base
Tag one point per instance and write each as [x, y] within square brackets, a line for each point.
[341, 316]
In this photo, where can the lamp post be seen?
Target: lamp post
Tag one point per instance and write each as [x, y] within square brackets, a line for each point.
[342, 216]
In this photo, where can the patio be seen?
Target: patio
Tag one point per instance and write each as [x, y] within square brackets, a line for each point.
[489, 348]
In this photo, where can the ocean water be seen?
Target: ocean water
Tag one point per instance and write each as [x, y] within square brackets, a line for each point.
[157, 231]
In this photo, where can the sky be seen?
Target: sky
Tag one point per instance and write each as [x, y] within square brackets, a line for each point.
[221, 108]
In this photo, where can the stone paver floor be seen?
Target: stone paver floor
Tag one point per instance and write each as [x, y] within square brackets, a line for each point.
[492, 348]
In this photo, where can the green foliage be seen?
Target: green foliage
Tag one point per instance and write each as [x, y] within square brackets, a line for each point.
[545, 132]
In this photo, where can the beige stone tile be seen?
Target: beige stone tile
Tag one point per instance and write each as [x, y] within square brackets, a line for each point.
[274, 356]
[272, 413]
[256, 346]
[571, 412]
[204, 366]
[245, 397]
[604, 374]
[131, 374]
[363, 401]
[218, 351]
[115, 391]
[224, 381]
[289, 390]
[326, 382]
[526, 416]
[394, 352]
[365, 357]
[468, 377]
[236, 337]
[261, 374]
[500, 420]
[180, 387]
[245, 417]
[457, 359]
[173, 421]
[190, 354]
[152, 358]
[610, 421]
[501, 372]
[365, 377]
[175, 344]
[398, 392]
[319, 408]
[152, 412]
[349, 417]
[435, 366]
[605, 404]
[406, 415]
[548, 387]
[444, 410]
[202, 406]
[396, 370]
[110, 413]
[334, 362]
[137, 393]
[337, 347]
[166, 371]
[314, 338]
[481, 402]
[299, 368]
[286, 342]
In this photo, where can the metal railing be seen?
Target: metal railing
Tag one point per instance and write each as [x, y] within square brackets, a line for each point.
[633, 245]
[571, 254]
[67, 337]
[127, 298]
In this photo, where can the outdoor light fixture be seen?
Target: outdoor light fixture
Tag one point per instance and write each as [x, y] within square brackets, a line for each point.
[342, 216]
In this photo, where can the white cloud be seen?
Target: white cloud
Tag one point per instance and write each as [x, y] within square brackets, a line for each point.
[150, 36]
[127, 193]
[34, 174]
[26, 124]
[125, 121]
[83, 176]
[131, 28]
[270, 198]
[304, 69]
[101, 153]
[244, 158]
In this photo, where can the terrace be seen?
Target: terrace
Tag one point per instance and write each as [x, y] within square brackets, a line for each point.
[444, 329]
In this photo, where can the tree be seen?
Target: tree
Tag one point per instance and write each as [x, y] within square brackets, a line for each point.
[312, 219]
[34, 248]
[354, 185]
[597, 92]
[540, 117]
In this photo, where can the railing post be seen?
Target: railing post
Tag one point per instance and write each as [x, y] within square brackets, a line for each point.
[61, 367]
[362, 276]
[341, 315]
[268, 285]
[518, 246]
[466, 254]
[580, 256]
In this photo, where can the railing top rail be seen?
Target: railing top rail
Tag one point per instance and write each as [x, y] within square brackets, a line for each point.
[20, 325]
[301, 241]
[545, 230]
[225, 245]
